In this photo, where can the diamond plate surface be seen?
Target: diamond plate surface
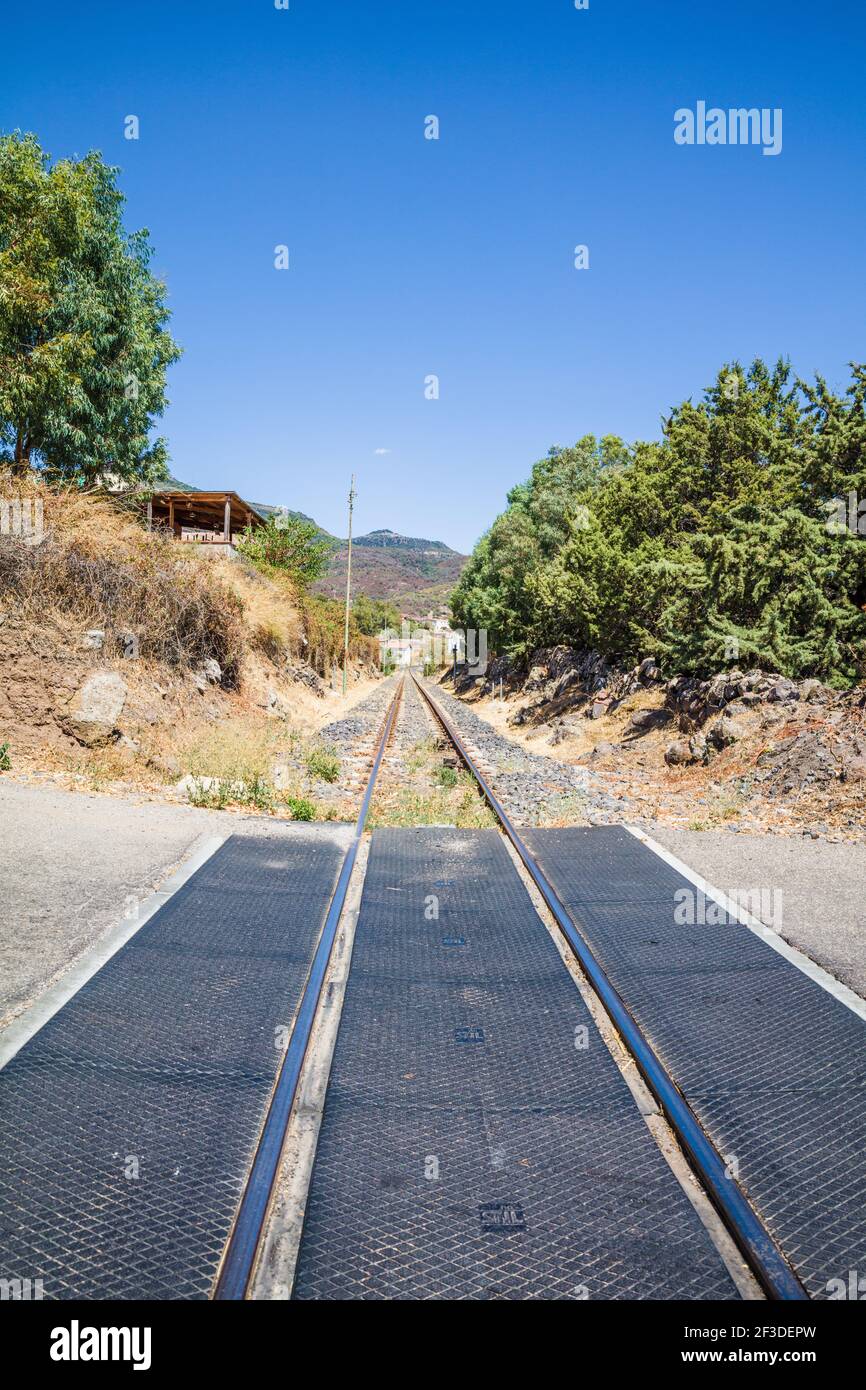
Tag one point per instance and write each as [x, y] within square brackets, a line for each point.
[469, 1148]
[773, 1065]
[162, 1064]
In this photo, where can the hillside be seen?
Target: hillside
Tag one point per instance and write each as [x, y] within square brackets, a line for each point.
[418, 575]
[130, 661]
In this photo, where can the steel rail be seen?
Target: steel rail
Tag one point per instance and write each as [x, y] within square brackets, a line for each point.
[755, 1243]
[240, 1253]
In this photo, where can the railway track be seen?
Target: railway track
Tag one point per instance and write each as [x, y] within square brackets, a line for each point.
[409, 1058]
[752, 1239]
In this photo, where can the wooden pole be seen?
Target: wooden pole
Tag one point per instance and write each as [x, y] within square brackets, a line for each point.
[227, 527]
[348, 587]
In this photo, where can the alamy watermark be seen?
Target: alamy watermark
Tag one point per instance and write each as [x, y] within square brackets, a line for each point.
[738, 125]
[693, 907]
[23, 518]
[846, 514]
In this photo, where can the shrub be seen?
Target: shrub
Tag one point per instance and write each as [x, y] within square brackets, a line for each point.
[324, 764]
[287, 543]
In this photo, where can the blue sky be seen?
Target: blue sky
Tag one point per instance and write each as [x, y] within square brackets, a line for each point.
[411, 257]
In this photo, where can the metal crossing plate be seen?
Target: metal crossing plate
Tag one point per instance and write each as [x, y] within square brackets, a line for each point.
[773, 1066]
[128, 1123]
[478, 1140]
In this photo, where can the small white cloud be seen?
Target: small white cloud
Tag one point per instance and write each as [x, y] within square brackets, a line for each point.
[381, 451]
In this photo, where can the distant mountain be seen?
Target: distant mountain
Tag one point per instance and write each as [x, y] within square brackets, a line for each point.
[415, 574]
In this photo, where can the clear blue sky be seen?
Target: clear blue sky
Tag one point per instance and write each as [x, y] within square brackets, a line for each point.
[410, 257]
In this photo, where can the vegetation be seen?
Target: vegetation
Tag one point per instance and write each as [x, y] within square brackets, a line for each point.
[84, 345]
[289, 544]
[323, 763]
[717, 544]
[5, 760]
[375, 615]
[97, 567]
[322, 620]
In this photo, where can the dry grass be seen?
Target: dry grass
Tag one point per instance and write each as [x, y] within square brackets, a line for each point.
[233, 750]
[99, 566]
[429, 792]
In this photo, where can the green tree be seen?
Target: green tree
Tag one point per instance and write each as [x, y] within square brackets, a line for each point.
[290, 544]
[711, 541]
[375, 615]
[84, 345]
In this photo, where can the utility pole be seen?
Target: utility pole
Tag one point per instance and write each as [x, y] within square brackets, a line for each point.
[348, 586]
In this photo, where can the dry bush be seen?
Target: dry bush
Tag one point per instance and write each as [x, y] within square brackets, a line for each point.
[99, 566]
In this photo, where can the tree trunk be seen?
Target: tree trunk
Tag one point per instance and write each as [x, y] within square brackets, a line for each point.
[21, 462]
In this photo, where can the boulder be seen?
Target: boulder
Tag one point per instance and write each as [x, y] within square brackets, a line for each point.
[645, 719]
[725, 731]
[92, 714]
[783, 690]
[679, 753]
[94, 639]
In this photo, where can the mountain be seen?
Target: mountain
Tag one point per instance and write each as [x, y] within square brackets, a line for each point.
[415, 574]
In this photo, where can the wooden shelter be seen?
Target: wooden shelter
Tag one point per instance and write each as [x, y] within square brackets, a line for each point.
[204, 517]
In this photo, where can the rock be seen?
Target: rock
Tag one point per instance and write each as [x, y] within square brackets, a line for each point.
[168, 766]
[783, 690]
[645, 719]
[94, 639]
[603, 750]
[92, 714]
[128, 645]
[725, 731]
[192, 787]
[277, 706]
[596, 710]
[813, 692]
[305, 675]
[699, 748]
[679, 753]
[211, 670]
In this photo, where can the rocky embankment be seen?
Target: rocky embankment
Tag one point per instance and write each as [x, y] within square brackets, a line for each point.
[750, 749]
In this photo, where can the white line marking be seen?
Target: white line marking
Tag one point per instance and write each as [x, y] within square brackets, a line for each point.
[26, 1025]
[802, 962]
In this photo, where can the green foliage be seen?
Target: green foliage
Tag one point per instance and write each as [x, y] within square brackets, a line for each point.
[375, 615]
[5, 760]
[301, 808]
[216, 793]
[323, 763]
[323, 624]
[287, 543]
[84, 346]
[446, 776]
[715, 539]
